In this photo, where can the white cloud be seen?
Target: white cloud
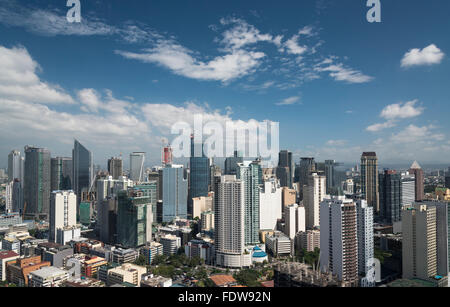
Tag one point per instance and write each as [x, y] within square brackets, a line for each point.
[381, 126]
[341, 73]
[293, 47]
[19, 79]
[401, 111]
[288, 101]
[336, 143]
[415, 134]
[427, 56]
[180, 61]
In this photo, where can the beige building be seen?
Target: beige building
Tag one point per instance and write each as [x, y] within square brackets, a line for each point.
[308, 240]
[201, 204]
[127, 272]
[313, 194]
[207, 221]
[370, 179]
[419, 246]
[289, 197]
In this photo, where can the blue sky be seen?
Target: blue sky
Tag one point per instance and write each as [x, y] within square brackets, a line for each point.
[337, 84]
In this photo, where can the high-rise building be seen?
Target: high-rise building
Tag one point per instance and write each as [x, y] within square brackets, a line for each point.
[200, 205]
[199, 172]
[294, 217]
[63, 215]
[250, 173]
[134, 218]
[314, 193]
[83, 169]
[17, 196]
[338, 239]
[365, 236]
[285, 169]
[9, 197]
[419, 248]
[408, 189]
[115, 167]
[231, 163]
[167, 156]
[107, 220]
[37, 182]
[175, 190]
[15, 166]
[109, 187]
[417, 171]
[329, 169]
[426, 233]
[307, 166]
[150, 190]
[369, 179]
[157, 176]
[308, 240]
[137, 160]
[390, 184]
[61, 174]
[269, 204]
[229, 223]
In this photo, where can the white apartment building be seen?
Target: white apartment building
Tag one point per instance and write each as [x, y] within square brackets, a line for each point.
[270, 204]
[63, 213]
[313, 194]
[294, 216]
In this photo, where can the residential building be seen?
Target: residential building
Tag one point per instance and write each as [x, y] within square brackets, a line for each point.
[170, 244]
[270, 204]
[295, 220]
[369, 179]
[418, 173]
[390, 185]
[364, 217]
[5, 257]
[127, 272]
[308, 240]
[63, 214]
[314, 193]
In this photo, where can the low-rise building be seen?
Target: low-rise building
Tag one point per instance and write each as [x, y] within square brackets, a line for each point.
[17, 271]
[120, 255]
[279, 244]
[152, 281]
[127, 272]
[6, 257]
[48, 277]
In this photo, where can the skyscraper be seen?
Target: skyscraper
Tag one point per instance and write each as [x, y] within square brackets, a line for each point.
[63, 214]
[229, 215]
[231, 163]
[365, 236]
[419, 250]
[294, 217]
[83, 169]
[417, 171]
[199, 171]
[269, 204]
[37, 182]
[307, 165]
[137, 160]
[285, 169]
[175, 191]
[390, 196]
[61, 173]
[314, 193]
[338, 239]
[115, 167]
[134, 218]
[329, 170]
[15, 166]
[408, 189]
[250, 173]
[369, 179]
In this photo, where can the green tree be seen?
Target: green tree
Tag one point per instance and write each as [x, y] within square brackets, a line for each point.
[140, 260]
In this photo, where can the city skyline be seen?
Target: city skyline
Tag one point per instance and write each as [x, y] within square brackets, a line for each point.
[109, 82]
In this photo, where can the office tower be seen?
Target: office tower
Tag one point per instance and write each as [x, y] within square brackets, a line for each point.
[15, 166]
[17, 196]
[167, 156]
[137, 160]
[329, 169]
[231, 163]
[313, 195]
[250, 173]
[419, 250]
[109, 187]
[307, 166]
[134, 218]
[61, 174]
[150, 190]
[364, 219]
[443, 237]
[229, 215]
[338, 239]
[63, 215]
[171, 244]
[294, 217]
[83, 169]
[369, 179]
[417, 171]
[157, 177]
[107, 220]
[37, 182]
[390, 196]
[175, 190]
[269, 204]
[285, 169]
[408, 189]
[199, 172]
[115, 167]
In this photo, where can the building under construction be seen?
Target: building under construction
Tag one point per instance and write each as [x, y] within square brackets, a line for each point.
[295, 274]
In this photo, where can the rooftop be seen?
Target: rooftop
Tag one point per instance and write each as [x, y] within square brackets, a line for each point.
[7, 254]
[48, 271]
[222, 280]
